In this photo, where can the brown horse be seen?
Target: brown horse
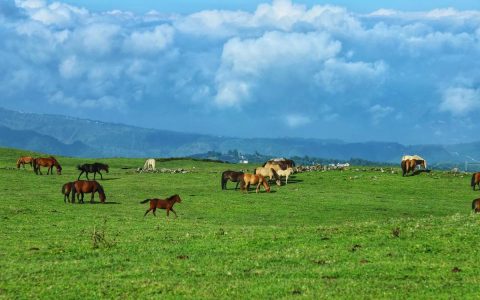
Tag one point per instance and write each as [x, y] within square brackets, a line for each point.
[254, 179]
[66, 190]
[475, 180]
[48, 162]
[23, 160]
[270, 172]
[232, 176]
[80, 187]
[476, 205]
[409, 165]
[166, 204]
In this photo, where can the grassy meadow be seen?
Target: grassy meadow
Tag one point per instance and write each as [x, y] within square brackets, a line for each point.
[359, 233]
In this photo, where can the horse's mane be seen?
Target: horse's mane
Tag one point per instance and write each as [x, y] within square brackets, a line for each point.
[172, 197]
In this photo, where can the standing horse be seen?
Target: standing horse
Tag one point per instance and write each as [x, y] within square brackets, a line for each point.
[92, 168]
[476, 205]
[23, 160]
[285, 173]
[268, 172]
[80, 187]
[149, 165]
[232, 176]
[254, 179]
[409, 165]
[283, 163]
[475, 180]
[48, 162]
[166, 204]
[66, 190]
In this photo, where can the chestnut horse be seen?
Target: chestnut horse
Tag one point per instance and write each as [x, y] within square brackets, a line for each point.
[48, 162]
[254, 179]
[166, 204]
[80, 187]
[232, 176]
[270, 172]
[23, 160]
[66, 190]
[475, 180]
[476, 205]
[409, 165]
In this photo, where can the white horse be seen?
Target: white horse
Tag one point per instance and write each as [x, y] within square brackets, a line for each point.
[268, 172]
[285, 173]
[149, 165]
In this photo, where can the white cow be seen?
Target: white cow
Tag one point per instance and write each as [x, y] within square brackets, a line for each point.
[149, 165]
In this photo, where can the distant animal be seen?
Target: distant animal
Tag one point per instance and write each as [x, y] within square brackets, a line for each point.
[48, 162]
[80, 187]
[475, 180]
[92, 168]
[166, 204]
[149, 165]
[285, 173]
[23, 160]
[232, 176]
[269, 172]
[66, 190]
[283, 163]
[410, 163]
[476, 205]
[254, 179]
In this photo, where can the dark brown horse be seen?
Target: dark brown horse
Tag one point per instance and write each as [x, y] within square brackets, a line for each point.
[92, 168]
[475, 180]
[476, 205]
[23, 160]
[66, 190]
[48, 162]
[80, 187]
[254, 179]
[166, 204]
[232, 176]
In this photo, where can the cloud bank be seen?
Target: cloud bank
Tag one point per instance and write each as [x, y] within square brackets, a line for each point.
[283, 69]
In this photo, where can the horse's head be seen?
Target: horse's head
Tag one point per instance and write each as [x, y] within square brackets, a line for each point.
[106, 168]
[278, 182]
[102, 197]
[177, 198]
[59, 170]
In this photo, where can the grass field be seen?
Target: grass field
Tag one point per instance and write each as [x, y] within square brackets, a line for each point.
[356, 234]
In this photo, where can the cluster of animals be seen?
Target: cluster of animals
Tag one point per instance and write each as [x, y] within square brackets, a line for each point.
[36, 163]
[273, 169]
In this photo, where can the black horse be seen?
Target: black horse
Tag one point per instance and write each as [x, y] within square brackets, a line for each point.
[232, 176]
[92, 168]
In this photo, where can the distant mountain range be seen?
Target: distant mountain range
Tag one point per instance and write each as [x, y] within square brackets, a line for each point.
[68, 136]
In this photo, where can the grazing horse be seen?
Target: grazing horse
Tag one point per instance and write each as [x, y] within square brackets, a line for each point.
[232, 176]
[476, 205]
[409, 165]
[254, 179]
[92, 168]
[283, 163]
[23, 160]
[166, 204]
[475, 180]
[66, 190]
[149, 165]
[48, 162]
[268, 172]
[80, 187]
[285, 173]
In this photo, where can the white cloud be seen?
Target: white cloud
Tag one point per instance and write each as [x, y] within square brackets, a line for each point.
[150, 42]
[460, 100]
[378, 112]
[296, 120]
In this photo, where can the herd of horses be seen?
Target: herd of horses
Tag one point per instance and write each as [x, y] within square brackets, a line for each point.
[273, 170]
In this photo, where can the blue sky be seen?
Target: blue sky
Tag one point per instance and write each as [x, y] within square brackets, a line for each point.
[400, 71]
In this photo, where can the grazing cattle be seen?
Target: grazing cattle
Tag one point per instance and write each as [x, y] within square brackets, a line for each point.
[254, 179]
[66, 190]
[285, 173]
[23, 160]
[92, 168]
[149, 165]
[80, 187]
[232, 176]
[166, 204]
[48, 162]
[269, 172]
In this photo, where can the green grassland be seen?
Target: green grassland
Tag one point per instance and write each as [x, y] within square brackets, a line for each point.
[359, 233]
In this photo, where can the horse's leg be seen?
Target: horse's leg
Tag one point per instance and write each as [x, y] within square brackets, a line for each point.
[147, 212]
[236, 187]
[80, 175]
[154, 210]
[94, 174]
[86, 174]
[82, 197]
[174, 212]
[286, 179]
[101, 177]
[93, 195]
[258, 187]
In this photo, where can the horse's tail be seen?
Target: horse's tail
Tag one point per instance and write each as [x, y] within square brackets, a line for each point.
[63, 188]
[474, 204]
[223, 180]
[144, 201]
[18, 163]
